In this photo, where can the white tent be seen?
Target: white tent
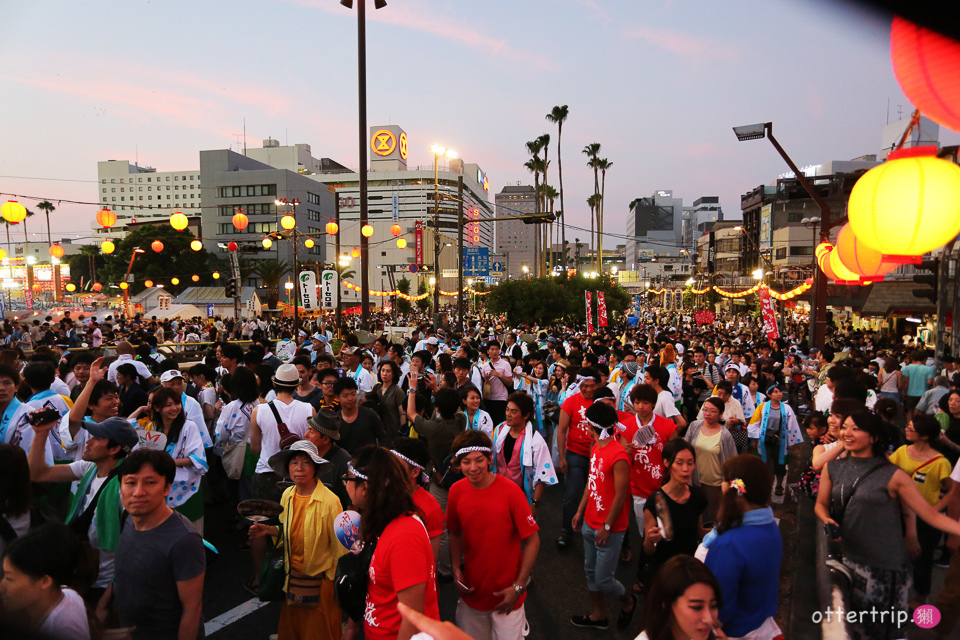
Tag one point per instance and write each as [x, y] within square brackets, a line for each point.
[178, 310]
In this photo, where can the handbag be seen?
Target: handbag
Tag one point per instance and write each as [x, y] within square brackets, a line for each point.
[273, 573]
[303, 591]
[286, 437]
[350, 584]
[232, 457]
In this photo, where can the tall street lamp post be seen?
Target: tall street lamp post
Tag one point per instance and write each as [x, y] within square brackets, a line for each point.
[818, 324]
[362, 113]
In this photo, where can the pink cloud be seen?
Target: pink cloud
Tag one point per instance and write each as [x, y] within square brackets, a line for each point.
[434, 23]
[680, 43]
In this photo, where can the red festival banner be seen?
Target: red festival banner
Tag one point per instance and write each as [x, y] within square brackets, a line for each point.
[601, 310]
[769, 313]
[589, 312]
[418, 242]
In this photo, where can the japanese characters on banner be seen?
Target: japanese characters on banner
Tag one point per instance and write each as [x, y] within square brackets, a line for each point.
[418, 241]
[308, 290]
[589, 312]
[601, 310]
[769, 313]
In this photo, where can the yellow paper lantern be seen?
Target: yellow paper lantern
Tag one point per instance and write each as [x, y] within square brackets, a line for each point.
[3, 254]
[401, 243]
[216, 275]
[908, 205]
[288, 222]
[366, 230]
[267, 243]
[240, 221]
[124, 285]
[195, 278]
[13, 212]
[840, 271]
[56, 251]
[148, 283]
[308, 243]
[106, 218]
[179, 221]
[107, 247]
[71, 287]
[157, 246]
[355, 252]
[174, 281]
[196, 245]
[332, 228]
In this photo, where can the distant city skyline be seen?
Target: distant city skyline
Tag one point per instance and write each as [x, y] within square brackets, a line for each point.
[658, 85]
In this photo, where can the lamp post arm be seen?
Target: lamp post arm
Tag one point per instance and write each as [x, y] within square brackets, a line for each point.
[821, 203]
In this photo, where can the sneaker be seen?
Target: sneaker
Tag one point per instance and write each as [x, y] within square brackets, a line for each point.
[563, 542]
[942, 561]
[586, 622]
[625, 617]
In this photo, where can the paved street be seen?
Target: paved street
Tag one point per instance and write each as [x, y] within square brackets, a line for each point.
[558, 591]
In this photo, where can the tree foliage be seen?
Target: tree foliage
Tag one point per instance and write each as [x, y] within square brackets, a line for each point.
[423, 305]
[176, 259]
[553, 299]
[403, 306]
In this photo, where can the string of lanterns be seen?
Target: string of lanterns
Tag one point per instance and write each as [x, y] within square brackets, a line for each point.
[786, 295]
[349, 285]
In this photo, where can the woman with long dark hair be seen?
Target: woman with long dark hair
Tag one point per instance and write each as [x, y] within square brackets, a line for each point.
[392, 400]
[683, 604]
[949, 419]
[16, 494]
[402, 567]
[184, 443]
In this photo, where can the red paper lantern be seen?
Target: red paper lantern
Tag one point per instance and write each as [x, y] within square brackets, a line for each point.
[106, 218]
[232, 246]
[859, 258]
[396, 230]
[157, 246]
[355, 252]
[927, 66]
[56, 251]
[240, 221]
[97, 287]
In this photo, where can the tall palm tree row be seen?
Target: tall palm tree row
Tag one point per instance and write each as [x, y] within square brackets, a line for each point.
[534, 165]
[603, 164]
[558, 115]
[592, 152]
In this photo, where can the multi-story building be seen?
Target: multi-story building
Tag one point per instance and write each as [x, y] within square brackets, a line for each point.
[516, 240]
[654, 227]
[142, 194]
[404, 196]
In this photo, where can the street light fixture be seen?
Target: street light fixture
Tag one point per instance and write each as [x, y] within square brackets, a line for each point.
[818, 328]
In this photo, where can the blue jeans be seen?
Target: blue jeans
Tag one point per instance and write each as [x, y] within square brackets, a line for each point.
[574, 482]
[600, 563]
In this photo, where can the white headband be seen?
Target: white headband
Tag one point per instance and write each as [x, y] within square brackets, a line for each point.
[354, 471]
[605, 432]
[423, 474]
[464, 451]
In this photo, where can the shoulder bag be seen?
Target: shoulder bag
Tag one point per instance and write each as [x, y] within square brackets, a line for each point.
[286, 437]
[350, 584]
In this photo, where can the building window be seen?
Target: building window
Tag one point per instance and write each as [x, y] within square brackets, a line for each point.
[803, 250]
[313, 198]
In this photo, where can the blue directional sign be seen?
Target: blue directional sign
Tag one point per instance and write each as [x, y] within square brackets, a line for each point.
[497, 267]
[209, 310]
[476, 262]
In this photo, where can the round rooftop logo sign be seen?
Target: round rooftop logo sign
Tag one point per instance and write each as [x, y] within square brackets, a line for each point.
[383, 142]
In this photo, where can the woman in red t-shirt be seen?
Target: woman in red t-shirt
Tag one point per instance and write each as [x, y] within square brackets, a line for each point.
[402, 568]
[414, 456]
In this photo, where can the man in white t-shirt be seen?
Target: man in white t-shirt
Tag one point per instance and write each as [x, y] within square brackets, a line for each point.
[657, 377]
[363, 378]
[125, 354]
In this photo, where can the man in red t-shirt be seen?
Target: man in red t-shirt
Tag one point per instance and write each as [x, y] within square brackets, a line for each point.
[604, 516]
[493, 532]
[574, 439]
[643, 438]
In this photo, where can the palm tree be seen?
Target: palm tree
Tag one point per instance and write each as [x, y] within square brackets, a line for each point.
[603, 165]
[271, 272]
[591, 151]
[594, 203]
[550, 194]
[558, 115]
[46, 206]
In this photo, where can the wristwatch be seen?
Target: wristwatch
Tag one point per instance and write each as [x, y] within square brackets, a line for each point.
[606, 527]
[519, 589]
[534, 502]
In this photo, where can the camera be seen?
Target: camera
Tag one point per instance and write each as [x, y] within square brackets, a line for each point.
[50, 414]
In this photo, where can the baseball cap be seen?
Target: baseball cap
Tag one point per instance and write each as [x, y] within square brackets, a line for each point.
[117, 429]
[169, 375]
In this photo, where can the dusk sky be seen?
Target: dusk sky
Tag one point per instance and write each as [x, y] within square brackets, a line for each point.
[658, 84]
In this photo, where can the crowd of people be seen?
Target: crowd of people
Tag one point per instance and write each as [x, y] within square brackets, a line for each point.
[670, 442]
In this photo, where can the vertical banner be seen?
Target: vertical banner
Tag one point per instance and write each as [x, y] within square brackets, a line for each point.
[308, 290]
[589, 312]
[636, 303]
[769, 313]
[601, 310]
[28, 298]
[418, 242]
[328, 289]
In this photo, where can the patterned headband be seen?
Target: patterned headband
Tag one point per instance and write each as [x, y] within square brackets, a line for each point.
[423, 474]
[465, 450]
[354, 471]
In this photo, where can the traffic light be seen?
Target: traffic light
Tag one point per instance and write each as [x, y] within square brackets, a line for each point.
[231, 288]
[930, 290]
[539, 218]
